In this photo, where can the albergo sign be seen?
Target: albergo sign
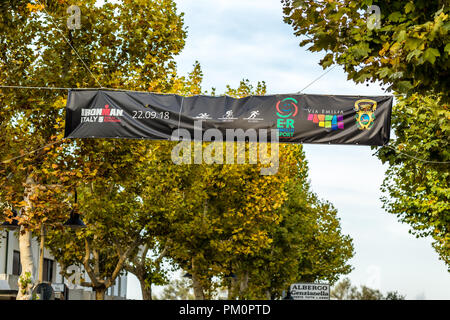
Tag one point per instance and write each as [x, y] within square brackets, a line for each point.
[310, 291]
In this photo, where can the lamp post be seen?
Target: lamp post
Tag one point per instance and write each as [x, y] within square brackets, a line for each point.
[74, 222]
[288, 295]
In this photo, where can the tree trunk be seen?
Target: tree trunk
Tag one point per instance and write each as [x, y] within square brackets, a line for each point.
[100, 293]
[26, 259]
[196, 284]
[26, 253]
[198, 289]
[232, 289]
[41, 255]
[243, 284]
[146, 291]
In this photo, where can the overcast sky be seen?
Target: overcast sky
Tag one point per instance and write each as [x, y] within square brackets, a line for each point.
[237, 39]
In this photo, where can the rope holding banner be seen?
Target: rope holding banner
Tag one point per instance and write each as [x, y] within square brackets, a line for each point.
[68, 42]
[31, 152]
[412, 157]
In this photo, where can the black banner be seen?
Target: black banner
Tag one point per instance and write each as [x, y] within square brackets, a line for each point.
[326, 119]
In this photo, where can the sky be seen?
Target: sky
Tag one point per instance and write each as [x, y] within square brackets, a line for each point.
[247, 39]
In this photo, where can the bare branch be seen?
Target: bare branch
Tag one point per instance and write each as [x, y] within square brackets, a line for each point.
[87, 267]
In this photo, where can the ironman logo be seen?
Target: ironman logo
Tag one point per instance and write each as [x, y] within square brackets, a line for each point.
[286, 109]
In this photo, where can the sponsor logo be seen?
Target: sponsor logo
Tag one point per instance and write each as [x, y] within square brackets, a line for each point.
[365, 116]
[203, 116]
[101, 115]
[253, 117]
[328, 121]
[286, 109]
[324, 110]
[228, 116]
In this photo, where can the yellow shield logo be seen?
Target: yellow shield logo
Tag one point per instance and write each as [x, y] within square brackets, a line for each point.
[365, 116]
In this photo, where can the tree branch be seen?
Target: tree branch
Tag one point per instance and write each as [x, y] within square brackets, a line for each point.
[87, 267]
[120, 264]
[163, 253]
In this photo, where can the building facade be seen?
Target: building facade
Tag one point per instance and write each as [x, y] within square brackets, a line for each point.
[10, 270]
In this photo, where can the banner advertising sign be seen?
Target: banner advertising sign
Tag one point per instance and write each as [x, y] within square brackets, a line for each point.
[324, 119]
[310, 291]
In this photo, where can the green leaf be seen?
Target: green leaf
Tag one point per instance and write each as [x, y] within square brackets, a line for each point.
[400, 36]
[383, 72]
[327, 60]
[409, 7]
[430, 55]
[413, 43]
[404, 86]
[447, 48]
[413, 54]
[395, 16]
[298, 3]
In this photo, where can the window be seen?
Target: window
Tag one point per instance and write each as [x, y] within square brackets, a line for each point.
[17, 267]
[48, 270]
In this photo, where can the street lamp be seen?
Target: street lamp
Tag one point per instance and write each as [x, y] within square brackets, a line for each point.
[74, 221]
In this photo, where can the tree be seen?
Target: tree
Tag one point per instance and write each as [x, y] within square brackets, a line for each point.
[160, 178]
[418, 191]
[223, 211]
[125, 210]
[409, 52]
[35, 186]
[345, 291]
[127, 44]
[116, 220]
[177, 290]
[237, 229]
[307, 244]
[148, 269]
[394, 295]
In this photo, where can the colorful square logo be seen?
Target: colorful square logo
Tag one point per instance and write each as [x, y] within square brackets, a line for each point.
[328, 121]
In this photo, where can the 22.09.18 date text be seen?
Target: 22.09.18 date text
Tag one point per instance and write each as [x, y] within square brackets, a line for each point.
[151, 115]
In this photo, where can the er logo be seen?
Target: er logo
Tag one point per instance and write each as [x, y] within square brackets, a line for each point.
[285, 123]
[286, 109]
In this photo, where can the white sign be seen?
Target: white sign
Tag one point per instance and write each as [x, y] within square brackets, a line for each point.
[310, 291]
